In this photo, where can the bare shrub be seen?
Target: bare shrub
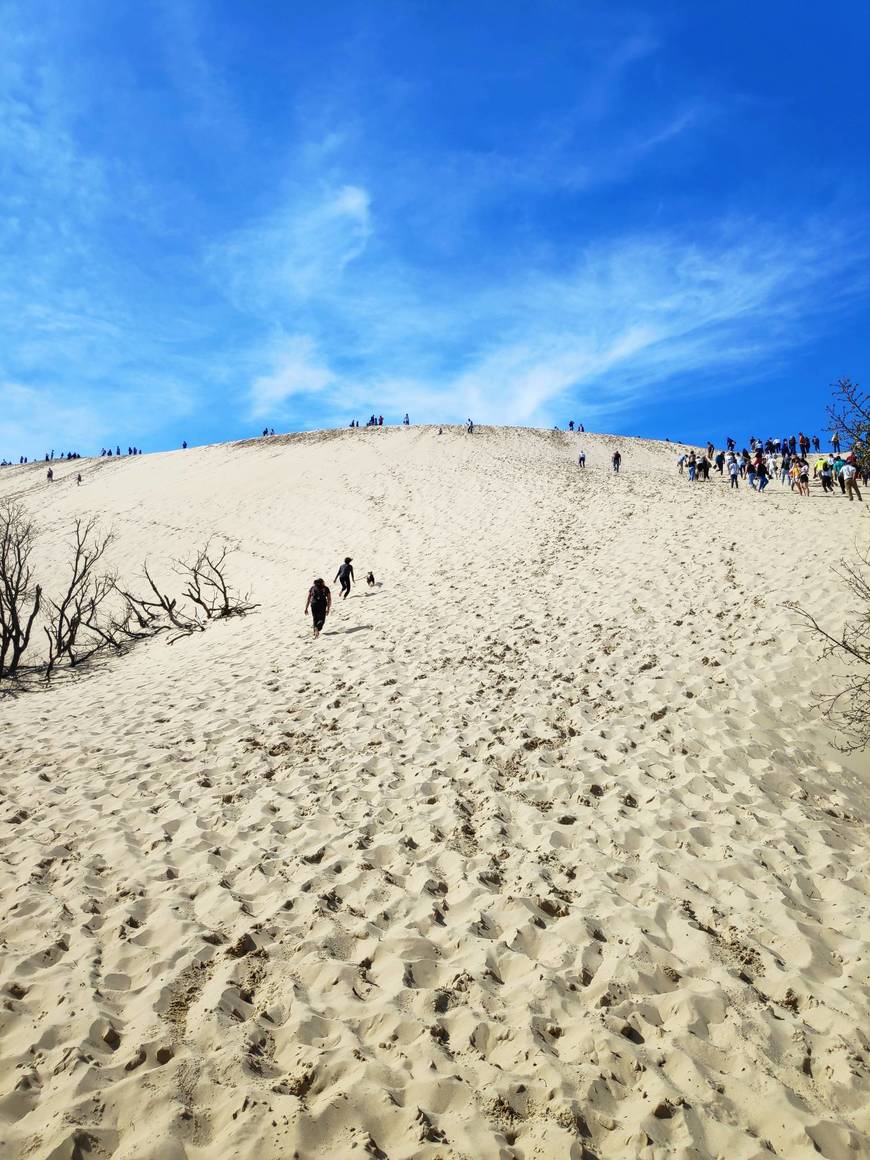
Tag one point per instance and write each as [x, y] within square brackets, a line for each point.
[93, 612]
[158, 611]
[78, 626]
[849, 709]
[206, 588]
[207, 585]
[20, 597]
[850, 419]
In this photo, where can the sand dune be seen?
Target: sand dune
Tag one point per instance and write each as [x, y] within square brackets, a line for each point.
[542, 850]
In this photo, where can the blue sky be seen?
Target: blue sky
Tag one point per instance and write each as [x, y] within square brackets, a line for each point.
[214, 217]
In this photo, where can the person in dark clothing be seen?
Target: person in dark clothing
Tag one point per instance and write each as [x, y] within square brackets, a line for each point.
[320, 602]
[345, 576]
[616, 459]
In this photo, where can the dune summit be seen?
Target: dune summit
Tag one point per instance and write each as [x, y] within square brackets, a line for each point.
[541, 850]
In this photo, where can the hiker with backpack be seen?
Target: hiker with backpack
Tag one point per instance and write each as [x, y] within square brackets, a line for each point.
[320, 602]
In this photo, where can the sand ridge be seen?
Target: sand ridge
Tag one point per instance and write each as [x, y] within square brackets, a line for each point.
[540, 851]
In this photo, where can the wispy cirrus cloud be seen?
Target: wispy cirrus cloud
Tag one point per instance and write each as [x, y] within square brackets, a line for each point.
[618, 320]
[298, 251]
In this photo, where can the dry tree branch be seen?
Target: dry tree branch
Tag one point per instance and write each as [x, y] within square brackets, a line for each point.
[184, 623]
[849, 415]
[848, 709]
[74, 630]
[207, 585]
[20, 598]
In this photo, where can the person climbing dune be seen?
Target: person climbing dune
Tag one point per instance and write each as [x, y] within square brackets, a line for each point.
[345, 577]
[320, 602]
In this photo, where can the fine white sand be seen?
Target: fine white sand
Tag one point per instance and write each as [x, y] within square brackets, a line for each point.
[542, 850]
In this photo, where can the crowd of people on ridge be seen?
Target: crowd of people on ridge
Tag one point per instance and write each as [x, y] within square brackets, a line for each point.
[69, 456]
[788, 459]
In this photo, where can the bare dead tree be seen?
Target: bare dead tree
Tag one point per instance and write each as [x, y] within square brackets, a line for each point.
[20, 598]
[164, 612]
[849, 708]
[207, 586]
[850, 419]
[77, 627]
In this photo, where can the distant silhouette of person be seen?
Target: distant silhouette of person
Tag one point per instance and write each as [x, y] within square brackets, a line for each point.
[79, 480]
[570, 424]
[184, 445]
[581, 459]
[380, 420]
[49, 475]
[616, 460]
[469, 427]
[406, 421]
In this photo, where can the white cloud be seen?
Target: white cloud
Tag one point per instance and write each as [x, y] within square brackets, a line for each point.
[631, 317]
[296, 252]
[296, 370]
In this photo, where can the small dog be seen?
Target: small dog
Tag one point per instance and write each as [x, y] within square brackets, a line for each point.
[370, 579]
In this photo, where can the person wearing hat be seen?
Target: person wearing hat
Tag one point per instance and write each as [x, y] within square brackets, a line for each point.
[345, 576]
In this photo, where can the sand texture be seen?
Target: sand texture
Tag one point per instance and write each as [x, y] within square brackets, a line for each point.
[541, 851]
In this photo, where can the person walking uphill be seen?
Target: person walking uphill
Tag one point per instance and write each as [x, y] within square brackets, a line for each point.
[849, 476]
[345, 576]
[320, 602]
[616, 459]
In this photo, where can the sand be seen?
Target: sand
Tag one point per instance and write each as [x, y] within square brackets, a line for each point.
[542, 850]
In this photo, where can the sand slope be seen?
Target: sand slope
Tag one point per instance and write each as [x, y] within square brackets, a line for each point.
[541, 851]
